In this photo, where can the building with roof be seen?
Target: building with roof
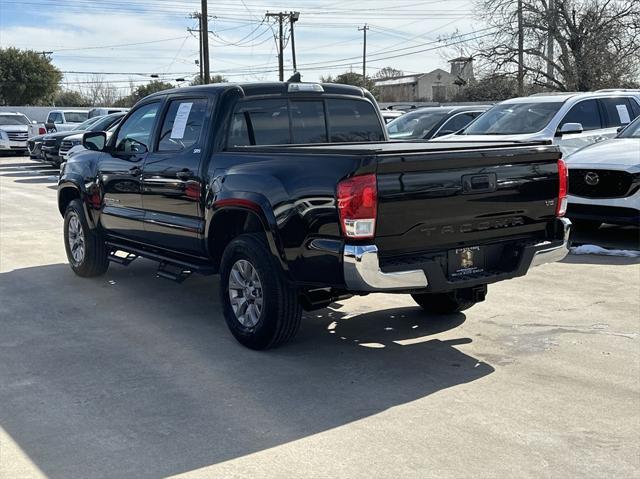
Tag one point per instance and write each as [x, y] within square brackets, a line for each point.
[435, 86]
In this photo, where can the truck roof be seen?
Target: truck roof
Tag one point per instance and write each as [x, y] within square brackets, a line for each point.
[264, 88]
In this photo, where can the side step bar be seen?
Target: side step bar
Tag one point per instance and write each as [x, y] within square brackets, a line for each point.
[169, 268]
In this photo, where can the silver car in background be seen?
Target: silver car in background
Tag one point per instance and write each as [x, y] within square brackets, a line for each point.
[569, 120]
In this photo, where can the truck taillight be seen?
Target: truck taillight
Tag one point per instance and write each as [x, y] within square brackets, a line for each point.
[42, 131]
[563, 173]
[358, 206]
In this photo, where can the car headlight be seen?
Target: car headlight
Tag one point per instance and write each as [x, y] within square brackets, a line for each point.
[76, 142]
[4, 135]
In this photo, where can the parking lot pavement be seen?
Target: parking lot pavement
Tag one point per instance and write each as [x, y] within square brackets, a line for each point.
[129, 375]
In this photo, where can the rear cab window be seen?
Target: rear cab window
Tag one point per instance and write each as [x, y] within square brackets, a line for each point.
[303, 120]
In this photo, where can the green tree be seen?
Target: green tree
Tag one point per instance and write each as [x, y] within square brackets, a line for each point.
[214, 79]
[352, 78]
[26, 77]
[71, 98]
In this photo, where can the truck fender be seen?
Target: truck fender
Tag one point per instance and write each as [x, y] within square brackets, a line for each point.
[73, 185]
[254, 203]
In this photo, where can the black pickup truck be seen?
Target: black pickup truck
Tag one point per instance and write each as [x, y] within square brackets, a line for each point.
[294, 195]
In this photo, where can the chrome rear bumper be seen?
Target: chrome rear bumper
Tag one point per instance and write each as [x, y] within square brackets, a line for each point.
[362, 272]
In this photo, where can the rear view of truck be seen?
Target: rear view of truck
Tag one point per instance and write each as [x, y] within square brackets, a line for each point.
[442, 221]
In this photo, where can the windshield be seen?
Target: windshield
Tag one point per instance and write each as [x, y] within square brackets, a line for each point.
[14, 120]
[76, 116]
[85, 124]
[415, 124]
[631, 131]
[104, 122]
[513, 119]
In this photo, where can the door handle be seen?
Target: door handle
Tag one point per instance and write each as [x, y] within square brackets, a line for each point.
[184, 174]
[135, 171]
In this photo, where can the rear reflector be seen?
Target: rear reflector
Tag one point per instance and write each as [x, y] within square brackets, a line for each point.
[358, 206]
[563, 173]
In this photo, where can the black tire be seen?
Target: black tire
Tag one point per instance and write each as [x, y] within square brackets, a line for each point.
[442, 303]
[94, 260]
[586, 225]
[280, 313]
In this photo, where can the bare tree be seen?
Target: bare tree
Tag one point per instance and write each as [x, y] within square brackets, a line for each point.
[597, 42]
[99, 92]
[388, 72]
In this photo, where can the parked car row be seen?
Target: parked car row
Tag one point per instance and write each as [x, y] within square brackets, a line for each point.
[54, 148]
[604, 182]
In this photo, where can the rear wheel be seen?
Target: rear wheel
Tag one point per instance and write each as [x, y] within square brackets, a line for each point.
[86, 249]
[450, 302]
[261, 309]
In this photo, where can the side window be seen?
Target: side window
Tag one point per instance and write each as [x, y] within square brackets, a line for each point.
[260, 122]
[353, 120]
[308, 122]
[55, 117]
[586, 113]
[634, 107]
[455, 123]
[618, 110]
[135, 133]
[182, 124]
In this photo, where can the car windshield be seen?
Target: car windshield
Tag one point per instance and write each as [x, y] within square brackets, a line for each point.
[104, 122]
[76, 116]
[513, 119]
[85, 124]
[14, 120]
[631, 131]
[415, 125]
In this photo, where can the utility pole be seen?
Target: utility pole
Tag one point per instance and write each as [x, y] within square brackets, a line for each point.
[280, 16]
[293, 18]
[364, 51]
[520, 51]
[204, 35]
[551, 27]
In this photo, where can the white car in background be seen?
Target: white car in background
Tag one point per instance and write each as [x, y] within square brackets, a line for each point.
[604, 181]
[569, 120]
[65, 120]
[15, 129]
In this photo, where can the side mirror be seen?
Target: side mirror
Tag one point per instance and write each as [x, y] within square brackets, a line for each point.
[569, 128]
[94, 140]
[620, 128]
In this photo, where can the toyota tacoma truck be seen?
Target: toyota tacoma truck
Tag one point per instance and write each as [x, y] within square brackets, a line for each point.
[294, 195]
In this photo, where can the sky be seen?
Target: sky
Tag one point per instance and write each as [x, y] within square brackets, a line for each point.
[127, 41]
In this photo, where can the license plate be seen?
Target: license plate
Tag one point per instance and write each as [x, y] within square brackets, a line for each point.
[466, 261]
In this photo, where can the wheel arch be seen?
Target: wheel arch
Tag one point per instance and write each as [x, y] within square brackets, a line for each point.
[232, 217]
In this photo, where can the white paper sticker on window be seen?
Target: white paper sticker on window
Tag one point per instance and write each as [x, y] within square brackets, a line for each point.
[623, 113]
[180, 121]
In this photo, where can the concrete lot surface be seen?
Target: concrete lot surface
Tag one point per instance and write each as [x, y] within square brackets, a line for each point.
[131, 376]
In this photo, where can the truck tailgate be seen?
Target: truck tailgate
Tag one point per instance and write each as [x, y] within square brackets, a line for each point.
[432, 201]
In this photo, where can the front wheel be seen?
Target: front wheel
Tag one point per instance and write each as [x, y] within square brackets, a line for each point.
[86, 249]
[450, 302]
[260, 308]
